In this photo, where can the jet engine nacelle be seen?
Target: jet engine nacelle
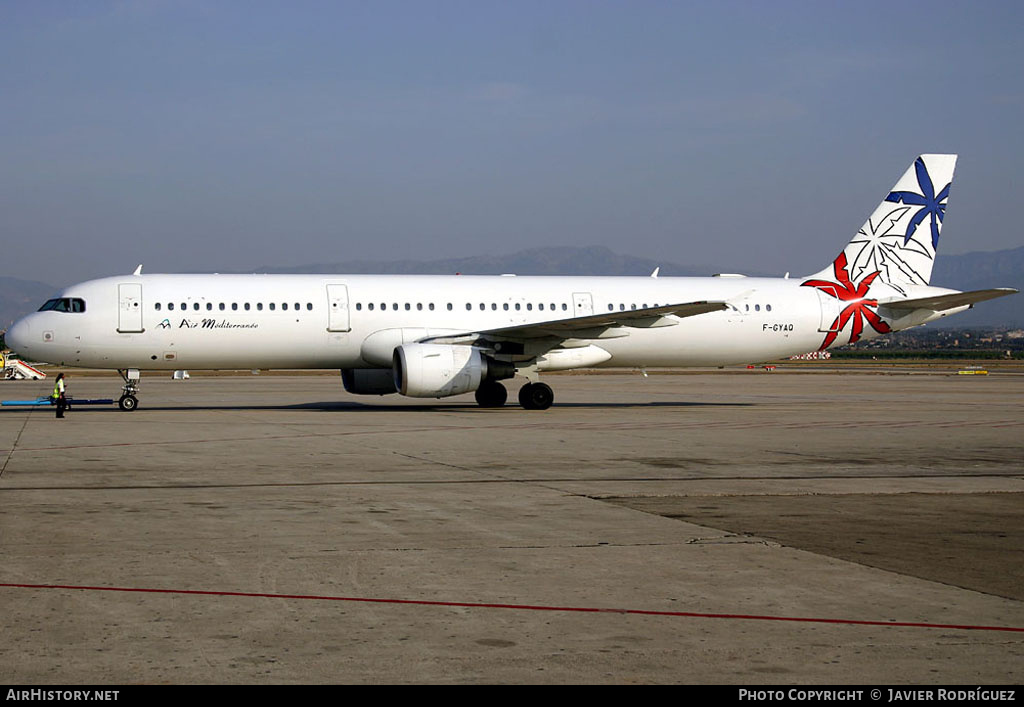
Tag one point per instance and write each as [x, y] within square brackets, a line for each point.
[368, 381]
[439, 370]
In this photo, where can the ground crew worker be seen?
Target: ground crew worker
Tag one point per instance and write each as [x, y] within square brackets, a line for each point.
[59, 391]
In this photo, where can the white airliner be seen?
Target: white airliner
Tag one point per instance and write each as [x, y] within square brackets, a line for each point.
[438, 336]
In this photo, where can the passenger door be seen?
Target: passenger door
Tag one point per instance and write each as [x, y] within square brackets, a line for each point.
[582, 304]
[337, 308]
[829, 301]
[129, 308]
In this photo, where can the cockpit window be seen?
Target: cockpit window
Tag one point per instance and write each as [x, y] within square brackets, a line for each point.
[64, 304]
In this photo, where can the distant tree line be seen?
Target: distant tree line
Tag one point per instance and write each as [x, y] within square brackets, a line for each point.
[988, 354]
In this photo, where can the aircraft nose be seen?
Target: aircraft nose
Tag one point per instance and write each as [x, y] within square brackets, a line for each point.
[17, 337]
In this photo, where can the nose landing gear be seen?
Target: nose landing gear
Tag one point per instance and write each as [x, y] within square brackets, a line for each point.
[129, 401]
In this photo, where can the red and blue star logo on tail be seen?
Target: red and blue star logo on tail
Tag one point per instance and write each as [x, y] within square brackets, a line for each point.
[859, 308]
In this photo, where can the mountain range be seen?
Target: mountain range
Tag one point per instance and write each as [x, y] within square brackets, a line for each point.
[970, 271]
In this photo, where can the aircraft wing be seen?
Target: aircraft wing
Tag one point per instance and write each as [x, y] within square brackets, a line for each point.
[944, 302]
[593, 325]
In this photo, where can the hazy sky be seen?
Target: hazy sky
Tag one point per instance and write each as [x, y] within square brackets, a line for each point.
[206, 135]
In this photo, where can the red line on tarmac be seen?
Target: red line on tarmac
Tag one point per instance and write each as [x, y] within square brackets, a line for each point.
[521, 607]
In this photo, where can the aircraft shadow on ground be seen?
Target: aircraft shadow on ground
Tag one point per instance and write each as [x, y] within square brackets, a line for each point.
[346, 406]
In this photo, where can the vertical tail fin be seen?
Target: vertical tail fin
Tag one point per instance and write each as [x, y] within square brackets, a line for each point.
[898, 243]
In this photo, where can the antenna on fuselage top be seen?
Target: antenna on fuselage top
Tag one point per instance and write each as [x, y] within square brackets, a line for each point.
[138, 270]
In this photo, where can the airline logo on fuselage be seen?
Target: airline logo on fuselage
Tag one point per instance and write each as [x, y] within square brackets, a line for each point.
[211, 324]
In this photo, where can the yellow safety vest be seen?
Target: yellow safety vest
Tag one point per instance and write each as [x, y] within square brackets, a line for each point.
[58, 388]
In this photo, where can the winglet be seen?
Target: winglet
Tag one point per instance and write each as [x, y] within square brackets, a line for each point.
[656, 270]
[138, 270]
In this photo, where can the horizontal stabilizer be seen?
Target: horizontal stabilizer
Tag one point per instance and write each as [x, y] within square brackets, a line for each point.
[943, 302]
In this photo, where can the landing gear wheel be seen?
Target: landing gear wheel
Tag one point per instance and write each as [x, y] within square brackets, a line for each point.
[491, 394]
[536, 396]
[128, 401]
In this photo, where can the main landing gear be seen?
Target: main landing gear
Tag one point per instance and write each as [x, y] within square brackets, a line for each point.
[129, 401]
[536, 396]
[491, 394]
[532, 396]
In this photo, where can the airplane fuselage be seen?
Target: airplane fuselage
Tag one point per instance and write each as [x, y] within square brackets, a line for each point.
[318, 321]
